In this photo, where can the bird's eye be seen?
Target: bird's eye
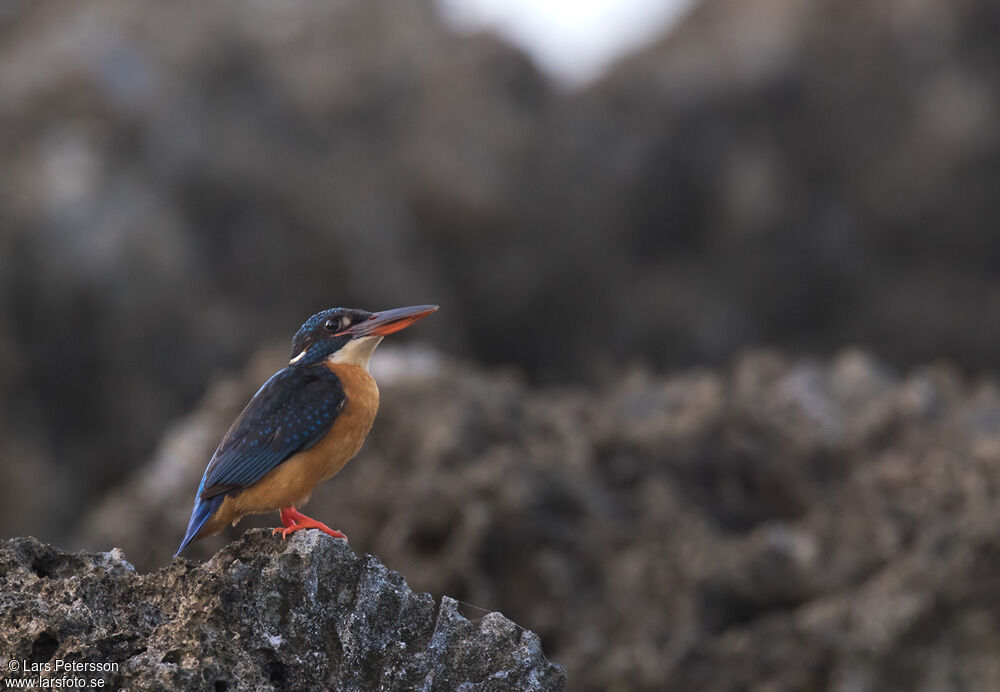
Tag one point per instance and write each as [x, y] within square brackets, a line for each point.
[336, 325]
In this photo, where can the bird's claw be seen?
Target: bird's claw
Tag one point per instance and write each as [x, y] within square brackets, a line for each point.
[304, 522]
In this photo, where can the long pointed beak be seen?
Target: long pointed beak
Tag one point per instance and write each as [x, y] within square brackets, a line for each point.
[390, 321]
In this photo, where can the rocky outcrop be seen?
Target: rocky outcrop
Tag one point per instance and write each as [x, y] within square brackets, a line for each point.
[262, 614]
[778, 524]
[180, 187]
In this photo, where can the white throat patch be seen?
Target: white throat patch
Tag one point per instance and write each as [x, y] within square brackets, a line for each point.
[356, 351]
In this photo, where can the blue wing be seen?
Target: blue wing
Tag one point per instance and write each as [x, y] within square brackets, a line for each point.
[290, 413]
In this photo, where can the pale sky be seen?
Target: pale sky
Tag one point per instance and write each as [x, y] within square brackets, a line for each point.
[574, 40]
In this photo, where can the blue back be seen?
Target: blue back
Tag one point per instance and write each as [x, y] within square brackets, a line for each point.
[290, 413]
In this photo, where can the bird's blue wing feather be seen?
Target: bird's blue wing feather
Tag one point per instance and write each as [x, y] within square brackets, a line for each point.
[290, 413]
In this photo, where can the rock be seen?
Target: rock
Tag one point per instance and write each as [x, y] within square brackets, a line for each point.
[180, 188]
[781, 523]
[804, 175]
[262, 614]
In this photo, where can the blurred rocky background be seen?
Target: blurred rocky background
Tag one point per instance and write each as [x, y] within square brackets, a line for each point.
[773, 525]
[182, 185]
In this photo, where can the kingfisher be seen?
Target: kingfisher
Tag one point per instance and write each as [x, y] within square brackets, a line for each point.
[301, 427]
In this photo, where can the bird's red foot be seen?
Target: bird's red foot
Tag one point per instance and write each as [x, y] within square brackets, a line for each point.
[292, 520]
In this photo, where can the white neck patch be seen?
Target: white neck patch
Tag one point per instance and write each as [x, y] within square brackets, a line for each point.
[355, 352]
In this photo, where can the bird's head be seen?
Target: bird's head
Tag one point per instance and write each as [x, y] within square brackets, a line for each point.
[347, 335]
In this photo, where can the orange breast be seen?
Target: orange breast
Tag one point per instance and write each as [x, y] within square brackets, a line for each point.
[292, 481]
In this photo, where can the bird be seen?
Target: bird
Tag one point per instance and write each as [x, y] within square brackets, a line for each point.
[301, 427]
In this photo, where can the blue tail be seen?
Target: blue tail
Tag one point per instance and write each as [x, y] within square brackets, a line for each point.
[203, 509]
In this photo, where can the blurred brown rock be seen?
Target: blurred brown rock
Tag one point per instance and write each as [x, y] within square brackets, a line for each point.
[182, 186]
[782, 524]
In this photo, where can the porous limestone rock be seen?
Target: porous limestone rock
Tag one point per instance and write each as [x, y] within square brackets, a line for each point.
[262, 614]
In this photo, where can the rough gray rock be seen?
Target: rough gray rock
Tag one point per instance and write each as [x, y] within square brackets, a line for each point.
[262, 614]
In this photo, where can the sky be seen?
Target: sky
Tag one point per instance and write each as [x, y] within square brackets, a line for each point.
[573, 40]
